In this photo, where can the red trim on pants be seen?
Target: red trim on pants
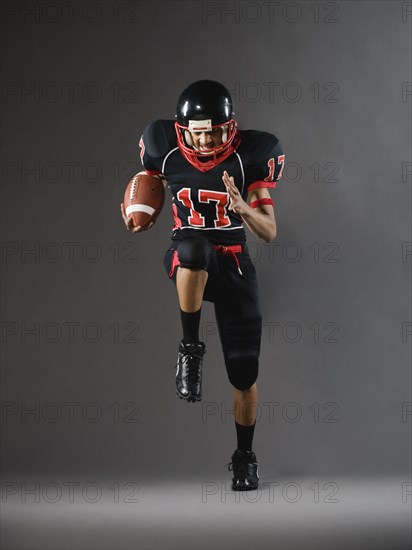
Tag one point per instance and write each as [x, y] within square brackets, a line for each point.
[175, 263]
[231, 250]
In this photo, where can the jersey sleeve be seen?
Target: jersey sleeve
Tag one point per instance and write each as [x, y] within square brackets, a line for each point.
[268, 163]
[155, 144]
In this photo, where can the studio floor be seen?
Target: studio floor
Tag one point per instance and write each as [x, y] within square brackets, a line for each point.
[283, 514]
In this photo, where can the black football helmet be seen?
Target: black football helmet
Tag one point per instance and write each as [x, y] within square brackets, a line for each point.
[202, 106]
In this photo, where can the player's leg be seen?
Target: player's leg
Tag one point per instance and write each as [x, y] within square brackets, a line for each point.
[190, 285]
[240, 325]
[245, 403]
[192, 258]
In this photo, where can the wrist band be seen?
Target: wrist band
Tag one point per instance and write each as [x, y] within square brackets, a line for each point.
[260, 202]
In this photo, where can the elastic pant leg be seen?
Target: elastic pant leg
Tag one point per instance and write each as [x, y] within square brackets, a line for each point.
[196, 253]
[239, 322]
[193, 253]
[242, 371]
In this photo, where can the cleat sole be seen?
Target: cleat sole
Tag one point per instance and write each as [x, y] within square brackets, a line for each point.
[190, 399]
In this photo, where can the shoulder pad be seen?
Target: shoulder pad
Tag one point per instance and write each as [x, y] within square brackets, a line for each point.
[256, 140]
[159, 138]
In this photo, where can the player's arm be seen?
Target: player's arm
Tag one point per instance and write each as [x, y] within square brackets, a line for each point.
[260, 218]
[257, 211]
[128, 220]
[258, 215]
[153, 147]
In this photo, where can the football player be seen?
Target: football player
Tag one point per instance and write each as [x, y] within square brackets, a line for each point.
[219, 179]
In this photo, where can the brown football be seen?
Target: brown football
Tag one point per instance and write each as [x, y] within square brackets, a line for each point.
[144, 198]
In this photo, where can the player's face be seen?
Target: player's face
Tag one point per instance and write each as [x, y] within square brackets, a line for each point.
[204, 141]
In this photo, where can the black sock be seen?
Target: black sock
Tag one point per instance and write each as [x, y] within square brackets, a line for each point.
[244, 436]
[190, 324]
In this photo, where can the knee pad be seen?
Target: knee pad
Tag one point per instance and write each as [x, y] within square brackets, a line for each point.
[194, 252]
[242, 371]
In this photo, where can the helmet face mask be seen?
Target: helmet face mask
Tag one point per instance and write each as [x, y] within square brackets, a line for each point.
[202, 107]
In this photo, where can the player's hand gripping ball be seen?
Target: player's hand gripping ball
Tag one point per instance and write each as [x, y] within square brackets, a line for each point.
[143, 201]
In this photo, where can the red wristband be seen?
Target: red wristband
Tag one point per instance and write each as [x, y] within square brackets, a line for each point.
[260, 202]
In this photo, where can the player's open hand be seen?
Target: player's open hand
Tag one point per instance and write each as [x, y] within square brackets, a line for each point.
[129, 222]
[237, 204]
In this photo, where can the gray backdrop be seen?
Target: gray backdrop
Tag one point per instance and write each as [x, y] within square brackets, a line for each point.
[90, 323]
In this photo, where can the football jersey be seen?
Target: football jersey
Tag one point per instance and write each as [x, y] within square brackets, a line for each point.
[199, 199]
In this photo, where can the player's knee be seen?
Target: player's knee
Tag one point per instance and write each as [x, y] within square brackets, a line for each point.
[193, 253]
[242, 371]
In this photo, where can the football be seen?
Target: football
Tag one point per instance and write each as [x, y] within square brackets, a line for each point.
[144, 198]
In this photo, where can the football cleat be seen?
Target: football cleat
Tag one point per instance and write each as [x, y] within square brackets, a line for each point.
[245, 470]
[189, 371]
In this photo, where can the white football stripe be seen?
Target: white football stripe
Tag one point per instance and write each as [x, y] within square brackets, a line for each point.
[139, 208]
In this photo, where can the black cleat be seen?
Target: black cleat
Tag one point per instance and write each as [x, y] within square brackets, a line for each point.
[189, 371]
[245, 471]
